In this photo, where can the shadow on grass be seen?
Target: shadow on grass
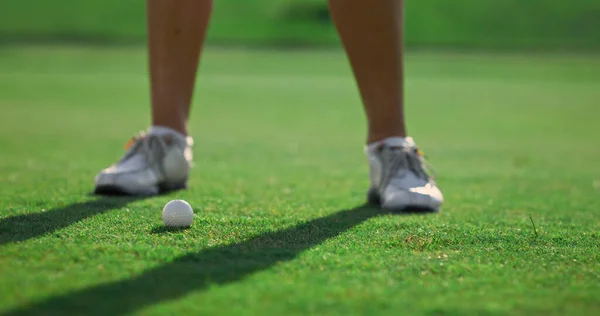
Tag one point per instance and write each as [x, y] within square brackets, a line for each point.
[197, 271]
[165, 229]
[23, 227]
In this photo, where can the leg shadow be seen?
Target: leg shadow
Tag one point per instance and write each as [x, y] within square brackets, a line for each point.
[23, 227]
[197, 271]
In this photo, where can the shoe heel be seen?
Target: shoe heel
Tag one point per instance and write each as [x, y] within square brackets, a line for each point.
[373, 197]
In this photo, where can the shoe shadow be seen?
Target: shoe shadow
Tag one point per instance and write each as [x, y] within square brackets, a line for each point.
[23, 227]
[198, 271]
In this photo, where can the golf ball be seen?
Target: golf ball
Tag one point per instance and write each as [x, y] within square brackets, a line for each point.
[178, 213]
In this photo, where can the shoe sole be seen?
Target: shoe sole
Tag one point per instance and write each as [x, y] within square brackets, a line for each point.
[114, 190]
[373, 198]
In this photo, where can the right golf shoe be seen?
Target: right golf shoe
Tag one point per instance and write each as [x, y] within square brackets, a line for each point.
[399, 179]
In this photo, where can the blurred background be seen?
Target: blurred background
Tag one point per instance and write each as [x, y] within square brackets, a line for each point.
[491, 24]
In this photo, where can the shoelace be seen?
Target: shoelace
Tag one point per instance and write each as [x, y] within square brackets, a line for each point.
[412, 159]
[425, 165]
[145, 144]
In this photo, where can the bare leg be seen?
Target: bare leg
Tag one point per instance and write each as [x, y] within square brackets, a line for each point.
[371, 32]
[176, 32]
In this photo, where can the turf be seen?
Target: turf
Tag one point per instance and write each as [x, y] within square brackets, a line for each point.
[279, 189]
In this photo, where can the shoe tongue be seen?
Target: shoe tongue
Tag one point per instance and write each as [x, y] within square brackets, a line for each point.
[391, 142]
[170, 133]
[399, 142]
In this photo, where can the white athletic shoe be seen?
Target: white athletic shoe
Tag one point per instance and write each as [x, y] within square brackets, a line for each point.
[399, 179]
[151, 165]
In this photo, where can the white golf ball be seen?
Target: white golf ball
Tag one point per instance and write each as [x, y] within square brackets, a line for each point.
[178, 213]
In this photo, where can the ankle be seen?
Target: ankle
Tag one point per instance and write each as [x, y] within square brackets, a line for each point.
[167, 127]
[164, 131]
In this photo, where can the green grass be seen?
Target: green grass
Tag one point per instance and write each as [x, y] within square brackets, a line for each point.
[278, 189]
